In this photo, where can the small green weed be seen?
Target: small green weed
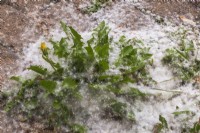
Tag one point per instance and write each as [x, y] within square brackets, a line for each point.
[161, 125]
[117, 110]
[187, 128]
[195, 128]
[96, 5]
[54, 96]
[182, 59]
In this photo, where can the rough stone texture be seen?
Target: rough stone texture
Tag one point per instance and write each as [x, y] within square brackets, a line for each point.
[12, 23]
[173, 10]
[15, 18]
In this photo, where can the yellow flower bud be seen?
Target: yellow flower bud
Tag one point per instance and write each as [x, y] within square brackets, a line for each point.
[43, 46]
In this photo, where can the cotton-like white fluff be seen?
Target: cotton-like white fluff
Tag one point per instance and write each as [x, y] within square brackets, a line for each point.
[166, 95]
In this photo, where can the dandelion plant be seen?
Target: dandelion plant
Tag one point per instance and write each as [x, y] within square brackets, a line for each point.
[54, 96]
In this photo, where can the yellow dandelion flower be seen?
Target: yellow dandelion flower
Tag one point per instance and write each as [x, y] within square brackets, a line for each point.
[43, 46]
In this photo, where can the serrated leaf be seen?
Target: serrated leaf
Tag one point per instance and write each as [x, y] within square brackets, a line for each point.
[60, 48]
[102, 51]
[134, 93]
[126, 51]
[115, 90]
[117, 108]
[48, 85]
[102, 34]
[146, 56]
[163, 121]
[69, 83]
[38, 69]
[181, 54]
[128, 56]
[103, 66]
[90, 52]
[65, 28]
[77, 128]
[16, 78]
[77, 39]
[137, 67]
[78, 62]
